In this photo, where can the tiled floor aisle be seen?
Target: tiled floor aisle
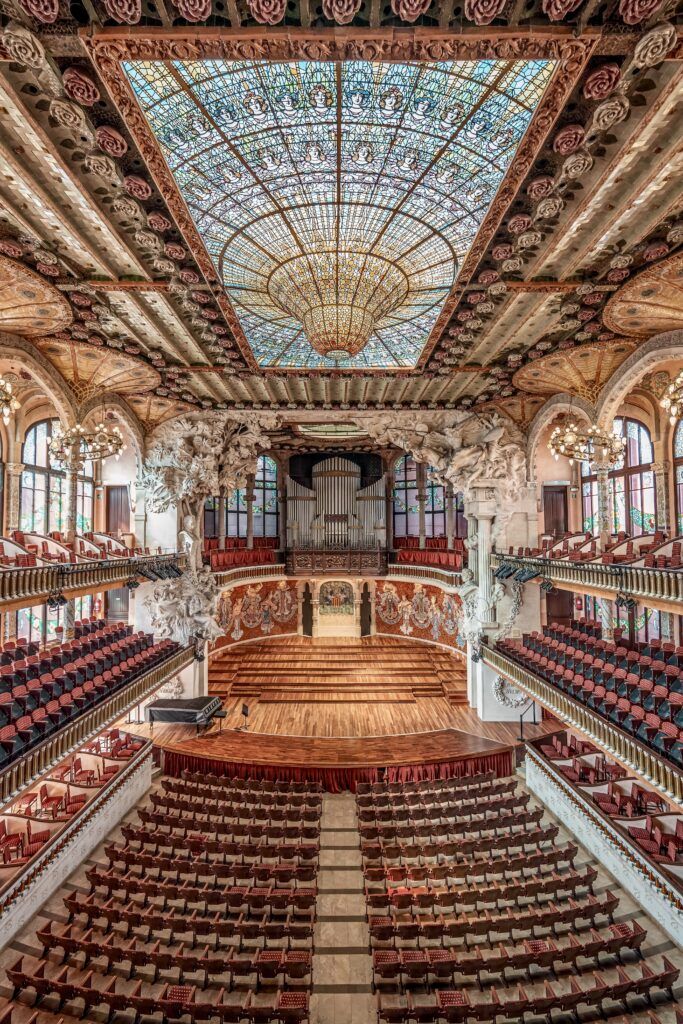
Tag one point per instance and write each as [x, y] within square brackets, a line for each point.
[341, 964]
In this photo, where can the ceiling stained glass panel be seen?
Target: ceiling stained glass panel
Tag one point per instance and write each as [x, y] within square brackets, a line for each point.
[338, 192]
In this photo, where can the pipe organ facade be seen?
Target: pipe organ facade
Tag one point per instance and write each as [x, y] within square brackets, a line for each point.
[336, 511]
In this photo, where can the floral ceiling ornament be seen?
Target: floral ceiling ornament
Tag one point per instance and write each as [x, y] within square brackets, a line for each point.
[635, 11]
[601, 82]
[610, 112]
[194, 10]
[341, 11]
[653, 47]
[538, 188]
[125, 12]
[557, 10]
[24, 46]
[483, 12]
[80, 87]
[45, 11]
[69, 115]
[410, 10]
[111, 141]
[569, 139]
[267, 12]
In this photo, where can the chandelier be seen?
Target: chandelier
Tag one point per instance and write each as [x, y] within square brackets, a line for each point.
[8, 403]
[592, 445]
[338, 297]
[672, 399]
[78, 445]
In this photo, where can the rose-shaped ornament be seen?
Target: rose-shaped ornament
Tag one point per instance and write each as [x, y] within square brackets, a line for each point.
[80, 87]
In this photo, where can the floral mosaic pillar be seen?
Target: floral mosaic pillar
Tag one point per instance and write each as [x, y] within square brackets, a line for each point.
[601, 470]
[13, 484]
[661, 471]
[71, 510]
[422, 503]
[221, 522]
[450, 516]
[250, 498]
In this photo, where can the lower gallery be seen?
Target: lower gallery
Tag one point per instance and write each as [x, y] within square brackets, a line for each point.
[341, 512]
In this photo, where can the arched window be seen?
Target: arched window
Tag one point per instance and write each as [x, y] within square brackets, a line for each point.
[406, 515]
[43, 486]
[633, 500]
[264, 509]
[678, 476]
[435, 509]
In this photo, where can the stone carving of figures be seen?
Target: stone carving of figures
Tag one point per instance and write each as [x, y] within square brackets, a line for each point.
[186, 607]
[237, 631]
[470, 622]
[267, 614]
[420, 608]
[282, 603]
[190, 541]
[388, 605]
[405, 608]
[434, 618]
[251, 607]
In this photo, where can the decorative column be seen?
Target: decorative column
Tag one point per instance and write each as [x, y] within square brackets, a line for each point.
[601, 470]
[250, 496]
[69, 619]
[421, 503]
[450, 516]
[661, 470]
[13, 472]
[221, 521]
[488, 613]
[70, 519]
[389, 509]
[140, 515]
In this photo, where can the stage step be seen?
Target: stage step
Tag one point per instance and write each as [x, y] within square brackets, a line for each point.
[345, 697]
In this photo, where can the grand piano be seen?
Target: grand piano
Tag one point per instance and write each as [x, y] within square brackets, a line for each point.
[197, 711]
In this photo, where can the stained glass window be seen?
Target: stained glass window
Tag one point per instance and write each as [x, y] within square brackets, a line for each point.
[435, 510]
[264, 506]
[317, 186]
[678, 475]
[42, 492]
[406, 508]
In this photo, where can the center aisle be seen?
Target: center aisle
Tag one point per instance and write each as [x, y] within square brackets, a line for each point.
[342, 968]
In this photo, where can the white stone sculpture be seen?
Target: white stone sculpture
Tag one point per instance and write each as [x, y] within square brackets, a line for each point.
[461, 448]
[193, 457]
[185, 607]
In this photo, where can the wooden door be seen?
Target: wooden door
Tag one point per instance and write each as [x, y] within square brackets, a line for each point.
[555, 511]
[118, 509]
[365, 613]
[307, 612]
[559, 606]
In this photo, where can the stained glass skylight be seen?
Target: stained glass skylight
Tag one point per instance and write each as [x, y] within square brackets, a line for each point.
[338, 198]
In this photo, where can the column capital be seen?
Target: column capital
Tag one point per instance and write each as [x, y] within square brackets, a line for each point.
[14, 468]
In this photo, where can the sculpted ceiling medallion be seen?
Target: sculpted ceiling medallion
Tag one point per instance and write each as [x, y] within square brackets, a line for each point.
[91, 370]
[649, 304]
[582, 371]
[29, 306]
[337, 200]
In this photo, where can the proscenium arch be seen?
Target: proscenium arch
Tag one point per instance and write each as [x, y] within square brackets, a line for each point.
[555, 406]
[44, 374]
[660, 349]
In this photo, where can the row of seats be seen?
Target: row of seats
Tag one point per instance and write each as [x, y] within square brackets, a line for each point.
[461, 937]
[436, 559]
[635, 692]
[637, 813]
[241, 557]
[164, 931]
[34, 709]
[60, 797]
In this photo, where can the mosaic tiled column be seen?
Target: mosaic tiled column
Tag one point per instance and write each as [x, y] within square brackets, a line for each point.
[71, 510]
[389, 509]
[661, 471]
[601, 470]
[421, 504]
[13, 471]
[450, 516]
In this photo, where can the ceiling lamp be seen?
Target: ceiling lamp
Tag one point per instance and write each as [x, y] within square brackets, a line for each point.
[339, 298]
[672, 400]
[8, 403]
[77, 445]
[592, 445]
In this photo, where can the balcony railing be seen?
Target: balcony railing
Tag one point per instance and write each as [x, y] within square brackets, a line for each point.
[32, 584]
[83, 728]
[664, 586]
[629, 751]
[449, 577]
[228, 577]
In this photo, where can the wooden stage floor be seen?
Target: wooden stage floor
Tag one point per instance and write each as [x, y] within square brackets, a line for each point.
[343, 732]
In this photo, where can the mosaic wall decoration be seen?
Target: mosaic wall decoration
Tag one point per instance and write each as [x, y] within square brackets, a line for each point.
[258, 609]
[418, 610]
[320, 184]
